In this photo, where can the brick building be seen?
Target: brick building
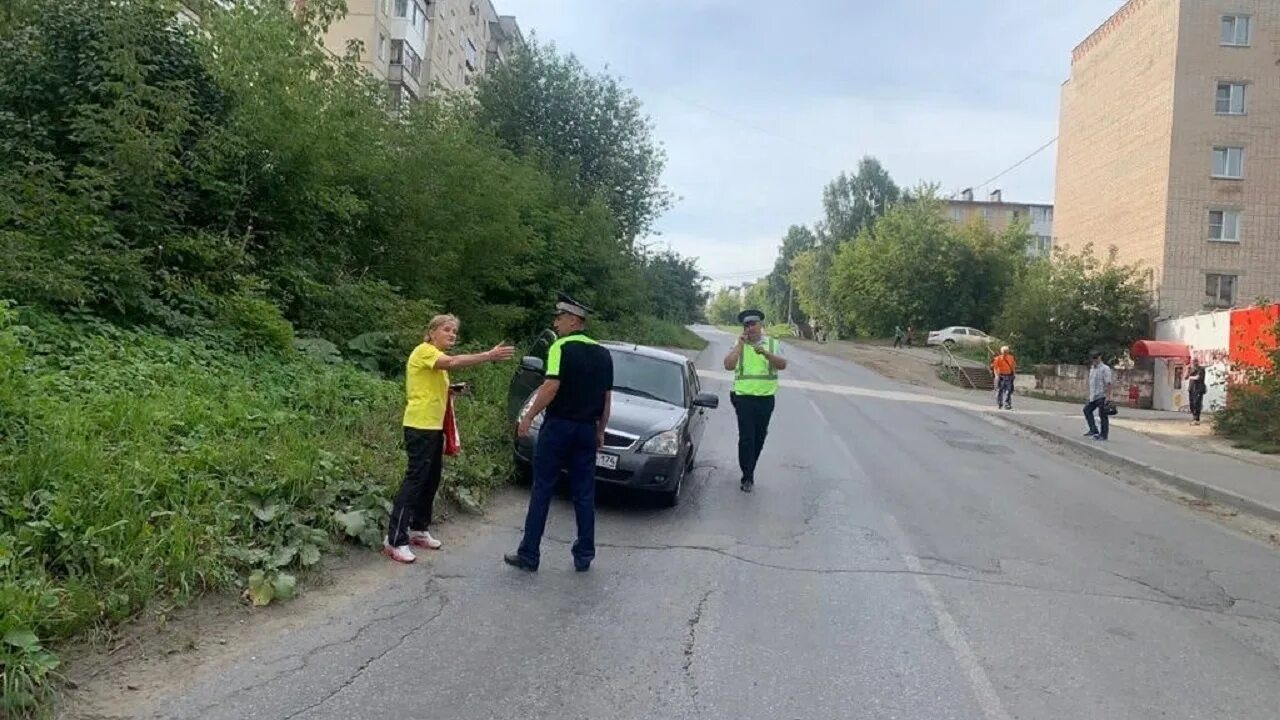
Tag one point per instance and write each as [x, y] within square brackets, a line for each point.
[1169, 148]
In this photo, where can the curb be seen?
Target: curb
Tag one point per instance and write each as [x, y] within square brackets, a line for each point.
[1200, 489]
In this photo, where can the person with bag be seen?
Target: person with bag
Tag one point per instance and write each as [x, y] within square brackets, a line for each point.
[430, 431]
[1196, 389]
[1100, 379]
[755, 361]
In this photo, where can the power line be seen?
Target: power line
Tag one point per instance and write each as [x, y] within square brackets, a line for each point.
[1014, 166]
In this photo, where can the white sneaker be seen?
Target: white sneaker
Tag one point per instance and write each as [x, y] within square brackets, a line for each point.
[423, 539]
[399, 553]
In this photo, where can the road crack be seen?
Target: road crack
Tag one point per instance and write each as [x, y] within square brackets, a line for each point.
[691, 645]
[354, 676]
[1165, 599]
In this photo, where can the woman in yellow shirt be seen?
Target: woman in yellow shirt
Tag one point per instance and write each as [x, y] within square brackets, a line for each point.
[426, 385]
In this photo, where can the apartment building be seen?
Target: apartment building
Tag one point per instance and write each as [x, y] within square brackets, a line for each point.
[466, 36]
[391, 36]
[999, 215]
[419, 45]
[1169, 148]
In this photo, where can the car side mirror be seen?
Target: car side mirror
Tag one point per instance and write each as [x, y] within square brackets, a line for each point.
[532, 364]
[706, 400]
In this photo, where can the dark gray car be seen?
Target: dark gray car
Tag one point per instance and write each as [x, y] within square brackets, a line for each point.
[658, 416]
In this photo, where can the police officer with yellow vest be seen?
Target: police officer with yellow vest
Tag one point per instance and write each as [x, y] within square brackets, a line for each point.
[577, 400]
[755, 361]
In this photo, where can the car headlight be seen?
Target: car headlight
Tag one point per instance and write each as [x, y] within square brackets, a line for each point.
[664, 443]
[524, 410]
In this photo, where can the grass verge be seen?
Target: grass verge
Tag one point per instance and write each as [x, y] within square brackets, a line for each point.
[141, 469]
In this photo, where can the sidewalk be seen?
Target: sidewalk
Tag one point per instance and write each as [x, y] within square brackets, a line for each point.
[1161, 444]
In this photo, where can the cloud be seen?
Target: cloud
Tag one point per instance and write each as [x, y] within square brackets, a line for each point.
[760, 105]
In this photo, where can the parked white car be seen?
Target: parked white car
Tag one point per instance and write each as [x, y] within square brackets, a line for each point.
[959, 335]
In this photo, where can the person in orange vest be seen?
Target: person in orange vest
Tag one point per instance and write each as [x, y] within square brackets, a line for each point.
[1003, 366]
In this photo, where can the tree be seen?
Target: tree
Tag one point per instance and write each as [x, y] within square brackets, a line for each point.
[540, 102]
[914, 267]
[1065, 307]
[724, 307]
[756, 297]
[811, 277]
[908, 270]
[238, 176]
[780, 297]
[852, 203]
[674, 284]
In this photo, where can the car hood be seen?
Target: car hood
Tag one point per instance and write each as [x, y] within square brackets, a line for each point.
[642, 416]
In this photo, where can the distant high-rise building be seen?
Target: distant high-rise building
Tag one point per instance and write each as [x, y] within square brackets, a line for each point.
[998, 214]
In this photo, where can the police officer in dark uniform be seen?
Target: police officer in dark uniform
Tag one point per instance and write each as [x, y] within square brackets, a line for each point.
[755, 361]
[576, 397]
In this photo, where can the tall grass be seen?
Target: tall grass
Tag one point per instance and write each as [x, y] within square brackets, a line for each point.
[136, 468]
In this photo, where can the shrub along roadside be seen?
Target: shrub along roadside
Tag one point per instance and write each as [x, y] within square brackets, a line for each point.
[1251, 418]
[145, 469]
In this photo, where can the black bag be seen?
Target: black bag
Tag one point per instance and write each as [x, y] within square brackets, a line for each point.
[1111, 408]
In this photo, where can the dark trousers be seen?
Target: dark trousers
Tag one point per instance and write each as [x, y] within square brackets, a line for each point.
[754, 413]
[1004, 391]
[416, 499]
[571, 446]
[1197, 403]
[1099, 404]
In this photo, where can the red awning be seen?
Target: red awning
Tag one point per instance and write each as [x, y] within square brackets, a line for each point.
[1160, 349]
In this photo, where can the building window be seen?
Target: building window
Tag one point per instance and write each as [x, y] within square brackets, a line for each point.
[382, 47]
[1017, 215]
[1230, 99]
[988, 214]
[469, 49]
[1224, 225]
[957, 214]
[1228, 162]
[386, 7]
[1219, 290]
[402, 8]
[1235, 29]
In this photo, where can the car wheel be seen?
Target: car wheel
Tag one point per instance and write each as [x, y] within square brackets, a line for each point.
[949, 343]
[671, 498]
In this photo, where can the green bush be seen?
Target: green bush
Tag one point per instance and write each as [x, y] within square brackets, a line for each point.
[1251, 418]
[648, 330]
[140, 468]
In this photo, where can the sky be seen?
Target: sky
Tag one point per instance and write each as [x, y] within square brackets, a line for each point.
[760, 103]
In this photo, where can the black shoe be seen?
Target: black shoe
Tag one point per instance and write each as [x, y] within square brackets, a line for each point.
[581, 566]
[747, 485]
[516, 561]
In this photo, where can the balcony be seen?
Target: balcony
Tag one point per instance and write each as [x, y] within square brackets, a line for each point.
[405, 67]
[398, 74]
[409, 23]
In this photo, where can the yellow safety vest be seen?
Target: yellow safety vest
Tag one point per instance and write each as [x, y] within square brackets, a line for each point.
[754, 375]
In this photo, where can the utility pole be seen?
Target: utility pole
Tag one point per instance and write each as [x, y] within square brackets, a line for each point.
[791, 292]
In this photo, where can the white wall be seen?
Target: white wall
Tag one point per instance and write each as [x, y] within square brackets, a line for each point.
[1209, 335]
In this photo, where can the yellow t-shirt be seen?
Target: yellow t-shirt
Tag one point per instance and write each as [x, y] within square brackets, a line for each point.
[426, 389]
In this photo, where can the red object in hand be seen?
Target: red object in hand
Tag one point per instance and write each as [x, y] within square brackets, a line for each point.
[452, 439]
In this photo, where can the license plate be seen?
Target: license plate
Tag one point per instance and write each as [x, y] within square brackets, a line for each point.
[607, 461]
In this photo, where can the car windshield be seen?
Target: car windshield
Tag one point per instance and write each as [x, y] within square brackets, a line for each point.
[648, 377]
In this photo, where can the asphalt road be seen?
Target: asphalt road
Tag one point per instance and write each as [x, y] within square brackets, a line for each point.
[899, 558]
